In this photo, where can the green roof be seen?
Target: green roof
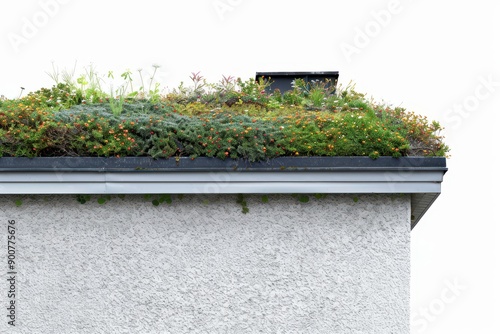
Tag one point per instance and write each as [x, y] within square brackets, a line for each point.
[229, 119]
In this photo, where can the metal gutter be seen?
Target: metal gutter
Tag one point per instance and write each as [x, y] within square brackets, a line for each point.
[419, 176]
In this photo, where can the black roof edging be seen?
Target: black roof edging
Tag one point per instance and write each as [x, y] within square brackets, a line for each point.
[200, 164]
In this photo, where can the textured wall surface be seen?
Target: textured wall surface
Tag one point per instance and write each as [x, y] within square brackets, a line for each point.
[332, 265]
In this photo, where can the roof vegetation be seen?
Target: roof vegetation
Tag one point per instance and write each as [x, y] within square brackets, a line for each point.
[231, 118]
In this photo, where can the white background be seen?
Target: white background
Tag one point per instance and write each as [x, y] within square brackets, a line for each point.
[437, 58]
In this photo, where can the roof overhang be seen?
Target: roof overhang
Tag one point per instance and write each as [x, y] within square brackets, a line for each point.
[419, 176]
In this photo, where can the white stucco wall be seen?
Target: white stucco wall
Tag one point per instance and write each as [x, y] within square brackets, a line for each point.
[199, 265]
